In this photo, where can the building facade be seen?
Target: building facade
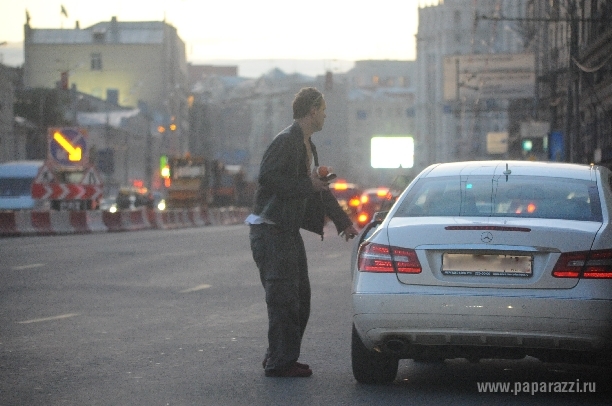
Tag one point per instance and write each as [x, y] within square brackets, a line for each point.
[457, 130]
[11, 146]
[124, 63]
[380, 103]
[234, 119]
[573, 45]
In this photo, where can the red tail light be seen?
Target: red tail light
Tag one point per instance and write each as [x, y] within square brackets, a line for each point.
[584, 265]
[386, 259]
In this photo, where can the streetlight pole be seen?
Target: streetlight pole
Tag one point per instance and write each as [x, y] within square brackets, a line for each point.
[572, 116]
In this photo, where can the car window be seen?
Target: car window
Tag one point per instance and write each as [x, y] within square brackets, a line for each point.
[13, 187]
[517, 196]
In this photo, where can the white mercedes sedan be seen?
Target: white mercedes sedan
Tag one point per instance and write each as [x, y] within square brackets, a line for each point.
[487, 259]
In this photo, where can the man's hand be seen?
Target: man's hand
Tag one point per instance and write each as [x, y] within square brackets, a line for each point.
[349, 233]
[317, 183]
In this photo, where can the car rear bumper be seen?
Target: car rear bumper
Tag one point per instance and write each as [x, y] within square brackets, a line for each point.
[554, 324]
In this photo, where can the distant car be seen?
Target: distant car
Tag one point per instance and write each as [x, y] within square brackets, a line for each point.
[348, 196]
[16, 178]
[370, 202]
[130, 198]
[491, 259]
[109, 203]
[159, 201]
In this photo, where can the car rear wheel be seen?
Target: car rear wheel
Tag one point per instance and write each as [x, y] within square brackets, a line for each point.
[371, 367]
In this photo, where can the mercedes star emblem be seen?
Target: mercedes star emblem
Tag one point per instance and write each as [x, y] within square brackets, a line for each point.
[486, 237]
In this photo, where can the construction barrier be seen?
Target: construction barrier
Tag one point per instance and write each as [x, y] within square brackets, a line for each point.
[29, 222]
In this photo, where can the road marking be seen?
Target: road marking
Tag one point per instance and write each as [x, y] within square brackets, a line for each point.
[196, 288]
[30, 266]
[61, 316]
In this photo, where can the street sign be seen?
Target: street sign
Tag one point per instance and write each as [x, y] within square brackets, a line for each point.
[66, 191]
[91, 177]
[85, 185]
[68, 146]
[489, 76]
[497, 142]
[44, 175]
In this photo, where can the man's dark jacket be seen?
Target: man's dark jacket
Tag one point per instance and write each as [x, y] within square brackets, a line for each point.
[285, 195]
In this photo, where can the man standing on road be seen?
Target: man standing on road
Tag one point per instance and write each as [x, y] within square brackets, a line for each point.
[290, 196]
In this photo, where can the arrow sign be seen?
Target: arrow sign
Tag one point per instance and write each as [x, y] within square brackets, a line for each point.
[66, 191]
[74, 153]
[68, 146]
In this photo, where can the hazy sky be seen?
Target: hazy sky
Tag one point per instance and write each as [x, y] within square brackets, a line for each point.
[244, 29]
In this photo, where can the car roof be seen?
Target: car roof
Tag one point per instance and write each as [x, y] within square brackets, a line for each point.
[20, 169]
[375, 190]
[521, 168]
[351, 186]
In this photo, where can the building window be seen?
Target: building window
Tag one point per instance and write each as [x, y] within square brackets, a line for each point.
[98, 37]
[96, 61]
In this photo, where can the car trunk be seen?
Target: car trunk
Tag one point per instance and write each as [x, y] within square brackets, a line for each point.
[509, 253]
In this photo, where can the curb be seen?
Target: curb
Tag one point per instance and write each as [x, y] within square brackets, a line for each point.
[29, 222]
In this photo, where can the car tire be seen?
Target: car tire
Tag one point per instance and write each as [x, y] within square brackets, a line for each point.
[370, 367]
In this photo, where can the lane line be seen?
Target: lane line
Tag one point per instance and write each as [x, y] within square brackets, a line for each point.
[61, 316]
[29, 266]
[196, 288]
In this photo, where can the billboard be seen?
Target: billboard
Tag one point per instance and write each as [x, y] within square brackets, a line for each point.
[489, 76]
[392, 151]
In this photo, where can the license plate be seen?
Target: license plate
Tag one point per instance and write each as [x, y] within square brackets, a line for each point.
[487, 265]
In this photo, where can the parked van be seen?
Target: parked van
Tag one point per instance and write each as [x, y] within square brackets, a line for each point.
[16, 178]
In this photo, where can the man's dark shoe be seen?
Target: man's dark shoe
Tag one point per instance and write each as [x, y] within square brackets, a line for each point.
[292, 372]
[299, 364]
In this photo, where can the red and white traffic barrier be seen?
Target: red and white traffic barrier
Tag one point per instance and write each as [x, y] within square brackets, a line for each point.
[95, 221]
[132, 220]
[28, 222]
[66, 191]
[112, 221]
[8, 224]
[60, 223]
[195, 217]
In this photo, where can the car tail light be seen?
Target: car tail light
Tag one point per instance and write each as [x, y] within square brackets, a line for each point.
[340, 185]
[354, 202]
[364, 199]
[386, 259]
[585, 265]
[363, 218]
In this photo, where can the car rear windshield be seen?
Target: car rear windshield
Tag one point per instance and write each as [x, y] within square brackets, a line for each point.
[516, 196]
[15, 187]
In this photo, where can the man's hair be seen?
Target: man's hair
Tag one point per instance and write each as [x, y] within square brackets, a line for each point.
[305, 99]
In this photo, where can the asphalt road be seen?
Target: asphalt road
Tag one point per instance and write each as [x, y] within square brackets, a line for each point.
[177, 317]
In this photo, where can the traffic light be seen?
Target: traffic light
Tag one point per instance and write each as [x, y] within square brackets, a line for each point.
[534, 145]
[164, 167]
